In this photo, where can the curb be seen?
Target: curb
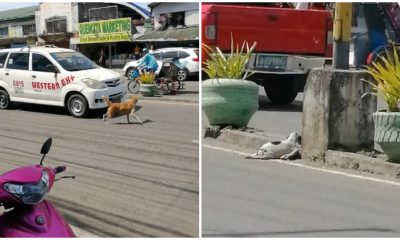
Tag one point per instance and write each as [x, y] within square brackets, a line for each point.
[162, 99]
[250, 139]
[345, 160]
[362, 163]
[167, 99]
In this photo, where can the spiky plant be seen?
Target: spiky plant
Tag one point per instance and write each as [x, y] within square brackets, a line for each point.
[232, 66]
[147, 77]
[386, 74]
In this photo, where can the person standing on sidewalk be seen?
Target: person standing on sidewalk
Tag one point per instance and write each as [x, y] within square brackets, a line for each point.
[136, 52]
[102, 58]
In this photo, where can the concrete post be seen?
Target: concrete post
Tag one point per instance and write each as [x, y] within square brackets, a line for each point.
[334, 114]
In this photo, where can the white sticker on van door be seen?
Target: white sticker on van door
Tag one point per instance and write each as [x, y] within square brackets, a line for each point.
[18, 86]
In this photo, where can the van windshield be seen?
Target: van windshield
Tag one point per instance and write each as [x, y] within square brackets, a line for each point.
[73, 61]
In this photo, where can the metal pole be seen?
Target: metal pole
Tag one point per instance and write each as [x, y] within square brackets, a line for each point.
[342, 35]
[109, 56]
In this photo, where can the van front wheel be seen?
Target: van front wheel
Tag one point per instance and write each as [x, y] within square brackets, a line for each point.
[78, 106]
[5, 102]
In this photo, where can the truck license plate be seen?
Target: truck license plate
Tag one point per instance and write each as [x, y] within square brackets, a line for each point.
[271, 62]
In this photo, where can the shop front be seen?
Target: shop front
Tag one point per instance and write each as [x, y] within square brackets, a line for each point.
[109, 36]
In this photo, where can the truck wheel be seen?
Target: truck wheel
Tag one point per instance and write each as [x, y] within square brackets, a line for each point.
[280, 92]
[5, 102]
[78, 106]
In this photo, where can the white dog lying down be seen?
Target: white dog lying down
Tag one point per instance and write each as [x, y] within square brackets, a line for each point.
[287, 149]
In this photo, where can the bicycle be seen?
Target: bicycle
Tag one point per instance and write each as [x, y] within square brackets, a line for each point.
[166, 85]
[134, 86]
[134, 83]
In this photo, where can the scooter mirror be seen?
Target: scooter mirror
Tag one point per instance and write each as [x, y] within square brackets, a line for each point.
[46, 146]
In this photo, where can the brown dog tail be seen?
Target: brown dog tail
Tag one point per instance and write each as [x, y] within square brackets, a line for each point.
[107, 101]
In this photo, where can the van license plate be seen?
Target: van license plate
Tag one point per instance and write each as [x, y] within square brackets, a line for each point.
[271, 62]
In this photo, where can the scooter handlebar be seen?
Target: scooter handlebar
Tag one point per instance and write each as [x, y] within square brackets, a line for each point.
[60, 169]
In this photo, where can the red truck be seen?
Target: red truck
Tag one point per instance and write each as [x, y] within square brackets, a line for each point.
[289, 42]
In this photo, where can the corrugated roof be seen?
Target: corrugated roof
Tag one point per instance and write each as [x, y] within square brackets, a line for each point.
[18, 13]
[140, 8]
[172, 34]
[153, 4]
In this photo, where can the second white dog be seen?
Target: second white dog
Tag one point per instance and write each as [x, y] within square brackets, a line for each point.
[286, 149]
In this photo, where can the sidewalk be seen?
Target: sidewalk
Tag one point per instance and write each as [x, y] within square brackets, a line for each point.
[190, 93]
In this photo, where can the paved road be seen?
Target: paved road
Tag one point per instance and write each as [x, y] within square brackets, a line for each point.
[131, 180]
[278, 120]
[249, 198]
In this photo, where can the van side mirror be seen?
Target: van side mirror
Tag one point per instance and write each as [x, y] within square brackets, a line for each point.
[52, 68]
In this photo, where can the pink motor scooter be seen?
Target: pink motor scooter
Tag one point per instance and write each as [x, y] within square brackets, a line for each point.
[26, 214]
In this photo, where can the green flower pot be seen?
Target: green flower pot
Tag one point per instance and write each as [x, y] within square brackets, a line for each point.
[229, 101]
[387, 133]
[148, 90]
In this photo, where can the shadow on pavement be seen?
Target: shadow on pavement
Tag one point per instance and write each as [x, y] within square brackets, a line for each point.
[260, 234]
[39, 108]
[98, 113]
[265, 105]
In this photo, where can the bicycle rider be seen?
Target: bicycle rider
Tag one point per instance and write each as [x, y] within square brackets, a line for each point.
[148, 63]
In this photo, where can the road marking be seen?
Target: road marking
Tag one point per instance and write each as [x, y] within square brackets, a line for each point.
[171, 102]
[309, 167]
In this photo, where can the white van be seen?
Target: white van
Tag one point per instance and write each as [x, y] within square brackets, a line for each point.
[56, 76]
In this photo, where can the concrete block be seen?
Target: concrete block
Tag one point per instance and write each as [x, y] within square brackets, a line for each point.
[334, 114]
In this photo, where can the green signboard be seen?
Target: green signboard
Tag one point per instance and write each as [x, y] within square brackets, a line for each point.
[115, 30]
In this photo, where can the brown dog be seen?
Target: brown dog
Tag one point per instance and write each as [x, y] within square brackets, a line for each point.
[120, 109]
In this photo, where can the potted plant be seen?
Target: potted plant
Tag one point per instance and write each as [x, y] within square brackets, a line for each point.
[385, 71]
[227, 98]
[147, 86]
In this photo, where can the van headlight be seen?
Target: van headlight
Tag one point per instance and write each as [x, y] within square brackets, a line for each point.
[95, 84]
[30, 193]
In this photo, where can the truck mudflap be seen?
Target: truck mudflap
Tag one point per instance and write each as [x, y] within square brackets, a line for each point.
[284, 63]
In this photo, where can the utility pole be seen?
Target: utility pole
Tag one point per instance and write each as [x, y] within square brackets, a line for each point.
[342, 35]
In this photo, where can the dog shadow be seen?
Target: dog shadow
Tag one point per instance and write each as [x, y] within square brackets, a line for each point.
[98, 113]
[138, 123]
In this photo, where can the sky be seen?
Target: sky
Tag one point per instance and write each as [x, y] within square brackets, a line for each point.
[12, 5]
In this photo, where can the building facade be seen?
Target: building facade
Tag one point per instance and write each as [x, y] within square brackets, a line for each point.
[17, 27]
[61, 23]
[106, 23]
[56, 23]
[175, 25]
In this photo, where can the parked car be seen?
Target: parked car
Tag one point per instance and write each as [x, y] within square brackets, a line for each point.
[56, 76]
[120, 59]
[188, 57]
